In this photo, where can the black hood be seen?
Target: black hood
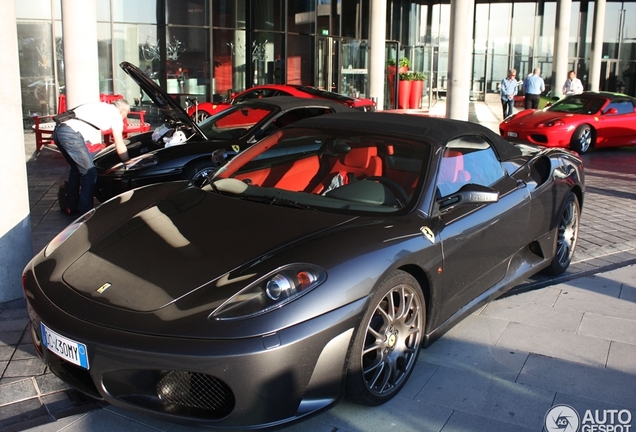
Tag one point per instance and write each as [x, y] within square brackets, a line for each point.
[171, 110]
[184, 242]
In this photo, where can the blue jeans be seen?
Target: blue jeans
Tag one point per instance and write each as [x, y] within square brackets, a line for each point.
[83, 175]
[508, 105]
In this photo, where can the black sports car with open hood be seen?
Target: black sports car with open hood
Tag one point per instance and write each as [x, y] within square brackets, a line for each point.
[180, 149]
[315, 264]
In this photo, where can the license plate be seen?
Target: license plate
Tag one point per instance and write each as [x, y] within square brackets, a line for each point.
[64, 347]
[512, 134]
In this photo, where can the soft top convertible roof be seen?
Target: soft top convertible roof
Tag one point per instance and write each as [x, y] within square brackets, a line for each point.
[437, 131]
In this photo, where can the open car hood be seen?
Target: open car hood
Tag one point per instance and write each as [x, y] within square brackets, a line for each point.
[171, 110]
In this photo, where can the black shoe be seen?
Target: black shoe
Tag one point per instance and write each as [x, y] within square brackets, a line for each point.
[71, 212]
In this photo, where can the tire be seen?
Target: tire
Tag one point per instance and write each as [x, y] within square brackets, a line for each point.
[387, 342]
[582, 139]
[567, 235]
[201, 115]
[198, 173]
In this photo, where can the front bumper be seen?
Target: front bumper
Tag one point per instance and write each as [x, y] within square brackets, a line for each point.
[252, 382]
[539, 136]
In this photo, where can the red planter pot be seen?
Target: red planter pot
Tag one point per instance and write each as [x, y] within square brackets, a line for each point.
[415, 99]
[404, 94]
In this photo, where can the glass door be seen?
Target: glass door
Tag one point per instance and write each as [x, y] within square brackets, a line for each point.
[609, 76]
[342, 66]
[355, 68]
[327, 64]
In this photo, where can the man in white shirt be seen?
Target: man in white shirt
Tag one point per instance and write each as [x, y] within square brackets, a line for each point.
[572, 85]
[70, 137]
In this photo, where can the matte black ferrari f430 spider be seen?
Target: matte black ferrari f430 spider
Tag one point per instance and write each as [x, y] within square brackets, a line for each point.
[315, 264]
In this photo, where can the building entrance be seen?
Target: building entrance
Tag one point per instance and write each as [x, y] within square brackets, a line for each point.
[342, 66]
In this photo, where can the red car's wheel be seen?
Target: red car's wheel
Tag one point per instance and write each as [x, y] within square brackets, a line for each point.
[582, 139]
[201, 115]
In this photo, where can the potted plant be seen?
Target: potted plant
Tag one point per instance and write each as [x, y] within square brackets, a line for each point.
[417, 87]
[391, 71]
[404, 65]
[404, 89]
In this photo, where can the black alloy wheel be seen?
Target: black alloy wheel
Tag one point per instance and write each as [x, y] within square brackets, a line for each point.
[567, 235]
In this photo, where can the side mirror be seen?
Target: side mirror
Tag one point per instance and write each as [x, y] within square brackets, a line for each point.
[468, 194]
[611, 111]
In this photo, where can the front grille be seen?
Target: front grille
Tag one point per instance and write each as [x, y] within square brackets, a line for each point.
[181, 393]
[539, 138]
[195, 390]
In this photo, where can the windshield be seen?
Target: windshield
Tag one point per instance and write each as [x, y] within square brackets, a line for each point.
[234, 122]
[578, 105]
[328, 169]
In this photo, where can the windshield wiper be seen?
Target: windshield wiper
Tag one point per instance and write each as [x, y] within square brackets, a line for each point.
[276, 200]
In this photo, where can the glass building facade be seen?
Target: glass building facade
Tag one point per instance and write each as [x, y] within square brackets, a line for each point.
[210, 48]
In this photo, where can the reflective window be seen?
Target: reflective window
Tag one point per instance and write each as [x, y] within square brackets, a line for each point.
[351, 13]
[300, 55]
[228, 13]
[229, 63]
[266, 58]
[34, 9]
[103, 10]
[522, 30]
[268, 15]
[545, 45]
[481, 28]
[138, 11]
[187, 12]
[301, 16]
[105, 61]
[187, 65]
[36, 68]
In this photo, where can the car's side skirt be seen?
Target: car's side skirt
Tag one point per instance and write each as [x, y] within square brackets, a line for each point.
[523, 264]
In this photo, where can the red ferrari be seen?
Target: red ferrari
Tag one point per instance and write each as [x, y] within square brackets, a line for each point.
[206, 109]
[580, 122]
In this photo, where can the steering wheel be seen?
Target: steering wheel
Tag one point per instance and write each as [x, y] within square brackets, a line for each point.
[398, 191]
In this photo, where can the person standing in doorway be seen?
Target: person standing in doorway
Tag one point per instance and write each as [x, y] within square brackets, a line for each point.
[572, 85]
[508, 90]
[533, 86]
[70, 137]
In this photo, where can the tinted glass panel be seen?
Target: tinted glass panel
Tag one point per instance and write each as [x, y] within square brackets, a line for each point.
[228, 13]
[190, 12]
[268, 15]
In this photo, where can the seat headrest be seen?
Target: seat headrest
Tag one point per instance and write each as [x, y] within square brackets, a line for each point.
[360, 157]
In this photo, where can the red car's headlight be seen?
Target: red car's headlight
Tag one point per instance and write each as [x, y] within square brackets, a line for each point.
[552, 123]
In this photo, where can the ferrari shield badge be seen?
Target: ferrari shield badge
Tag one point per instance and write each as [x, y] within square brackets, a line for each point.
[426, 232]
[104, 287]
[236, 148]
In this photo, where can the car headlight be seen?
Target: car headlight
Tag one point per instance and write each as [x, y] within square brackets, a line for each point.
[552, 123]
[67, 232]
[272, 291]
